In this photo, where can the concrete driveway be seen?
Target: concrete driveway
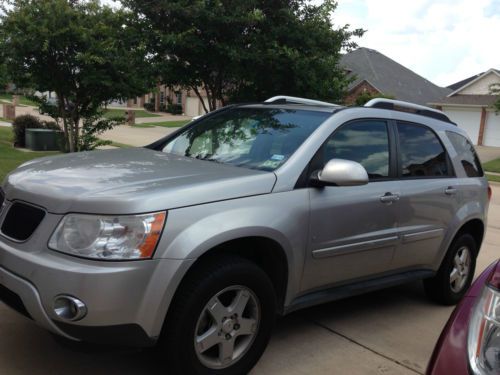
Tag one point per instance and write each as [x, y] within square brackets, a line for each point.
[386, 332]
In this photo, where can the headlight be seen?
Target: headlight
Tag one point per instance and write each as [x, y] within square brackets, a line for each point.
[484, 334]
[109, 237]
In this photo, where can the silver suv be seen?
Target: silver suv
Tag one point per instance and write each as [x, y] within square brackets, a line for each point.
[196, 242]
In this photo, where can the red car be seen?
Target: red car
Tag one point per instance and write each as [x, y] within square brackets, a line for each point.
[470, 341]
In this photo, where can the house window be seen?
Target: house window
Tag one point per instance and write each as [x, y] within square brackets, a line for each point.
[162, 97]
[135, 100]
[178, 98]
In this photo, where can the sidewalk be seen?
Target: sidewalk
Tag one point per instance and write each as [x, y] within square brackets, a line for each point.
[27, 110]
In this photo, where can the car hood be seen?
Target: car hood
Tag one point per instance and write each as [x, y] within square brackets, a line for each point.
[130, 180]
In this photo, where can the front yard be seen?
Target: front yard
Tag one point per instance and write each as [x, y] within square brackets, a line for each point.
[165, 124]
[12, 158]
[115, 112]
[7, 98]
[492, 166]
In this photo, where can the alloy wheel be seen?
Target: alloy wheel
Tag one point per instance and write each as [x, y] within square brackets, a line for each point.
[461, 268]
[227, 327]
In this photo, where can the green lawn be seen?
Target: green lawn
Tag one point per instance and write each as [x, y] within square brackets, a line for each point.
[120, 145]
[5, 119]
[22, 100]
[115, 112]
[492, 166]
[165, 124]
[10, 157]
[493, 178]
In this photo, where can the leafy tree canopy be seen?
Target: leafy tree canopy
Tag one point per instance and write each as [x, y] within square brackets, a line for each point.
[247, 50]
[4, 78]
[495, 90]
[88, 54]
[365, 97]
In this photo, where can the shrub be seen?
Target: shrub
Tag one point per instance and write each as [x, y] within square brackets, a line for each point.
[52, 125]
[175, 109]
[149, 107]
[20, 124]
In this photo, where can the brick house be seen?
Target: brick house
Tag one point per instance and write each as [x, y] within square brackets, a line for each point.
[470, 105]
[375, 73]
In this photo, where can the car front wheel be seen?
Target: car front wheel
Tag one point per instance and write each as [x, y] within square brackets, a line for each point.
[220, 320]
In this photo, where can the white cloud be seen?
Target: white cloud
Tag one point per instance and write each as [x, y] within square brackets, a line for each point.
[443, 40]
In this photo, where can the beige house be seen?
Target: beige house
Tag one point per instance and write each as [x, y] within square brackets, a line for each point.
[191, 104]
[470, 106]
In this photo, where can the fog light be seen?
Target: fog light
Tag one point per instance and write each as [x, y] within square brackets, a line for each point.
[69, 308]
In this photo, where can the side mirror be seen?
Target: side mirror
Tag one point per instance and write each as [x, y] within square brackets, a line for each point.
[340, 172]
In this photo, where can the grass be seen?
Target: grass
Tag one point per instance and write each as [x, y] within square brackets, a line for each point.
[492, 166]
[22, 100]
[165, 124]
[171, 124]
[143, 126]
[493, 178]
[115, 112]
[120, 145]
[5, 119]
[12, 158]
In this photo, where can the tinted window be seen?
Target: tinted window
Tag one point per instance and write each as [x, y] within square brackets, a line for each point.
[366, 142]
[258, 138]
[422, 154]
[466, 154]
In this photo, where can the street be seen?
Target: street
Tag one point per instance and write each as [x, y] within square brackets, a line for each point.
[387, 332]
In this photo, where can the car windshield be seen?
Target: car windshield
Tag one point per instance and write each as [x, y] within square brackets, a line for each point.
[256, 138]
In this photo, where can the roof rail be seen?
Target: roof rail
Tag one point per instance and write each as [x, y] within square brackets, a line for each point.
[398, 105]
[295, 100]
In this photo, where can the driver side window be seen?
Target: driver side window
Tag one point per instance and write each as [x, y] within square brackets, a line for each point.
[365, 142]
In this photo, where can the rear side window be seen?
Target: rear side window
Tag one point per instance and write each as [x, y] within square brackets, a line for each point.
[466, 154]
[422, 154]
[366, 142]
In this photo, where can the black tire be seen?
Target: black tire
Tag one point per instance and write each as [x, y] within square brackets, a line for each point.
[176, 346]
[439, 287]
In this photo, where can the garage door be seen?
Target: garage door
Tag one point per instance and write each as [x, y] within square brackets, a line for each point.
[192, 106]
[492, 130]
[466, 119]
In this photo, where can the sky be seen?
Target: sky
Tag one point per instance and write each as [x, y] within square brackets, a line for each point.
[444, 41]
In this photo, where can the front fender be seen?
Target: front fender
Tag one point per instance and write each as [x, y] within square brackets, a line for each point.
[282, 217]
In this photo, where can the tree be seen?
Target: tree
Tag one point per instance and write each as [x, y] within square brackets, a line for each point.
[86, 53]
[366, 96]
[246, 50]
[4, 78]
[495, 90]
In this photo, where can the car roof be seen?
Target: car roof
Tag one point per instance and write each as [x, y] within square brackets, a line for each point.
[295, 106]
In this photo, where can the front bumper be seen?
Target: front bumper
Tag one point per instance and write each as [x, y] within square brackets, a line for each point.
[126, 301]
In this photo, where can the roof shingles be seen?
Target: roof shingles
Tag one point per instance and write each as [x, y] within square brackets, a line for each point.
[390, 77]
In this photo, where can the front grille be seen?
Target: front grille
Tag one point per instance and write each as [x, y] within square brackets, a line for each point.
[21, 221]
[12, 300]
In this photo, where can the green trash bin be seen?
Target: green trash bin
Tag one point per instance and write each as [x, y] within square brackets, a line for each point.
[44, 139]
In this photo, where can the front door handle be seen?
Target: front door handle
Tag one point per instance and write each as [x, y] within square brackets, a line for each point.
[389, 198]
[450, 190]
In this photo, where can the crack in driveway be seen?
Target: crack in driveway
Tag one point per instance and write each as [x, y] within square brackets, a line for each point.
[402, 364]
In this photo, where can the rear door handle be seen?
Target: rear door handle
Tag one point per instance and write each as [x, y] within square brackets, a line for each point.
[389, 198]
[450, 190]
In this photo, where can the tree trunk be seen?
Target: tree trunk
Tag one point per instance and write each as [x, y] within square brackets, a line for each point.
[66, 126]
[197, 92]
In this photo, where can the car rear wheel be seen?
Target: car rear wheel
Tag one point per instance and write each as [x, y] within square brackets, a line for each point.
[456, 272]
[220, 320]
